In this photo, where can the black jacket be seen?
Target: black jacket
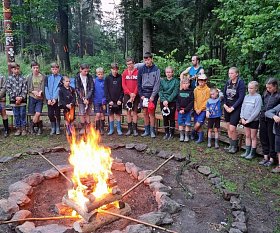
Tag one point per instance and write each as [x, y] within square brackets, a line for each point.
[185, 100]
[113, 88]
[269, 101]
[80, 88]
[66, 96]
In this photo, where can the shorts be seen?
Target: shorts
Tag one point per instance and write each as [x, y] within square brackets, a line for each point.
[232, 118]
[100, 108]
[135, 103]
[199, 118]
[34, 105]
[214, 123]
[277, 143]
[253, 125]
[83, 111]
[184, 119]
[115, 110]
[155, 101]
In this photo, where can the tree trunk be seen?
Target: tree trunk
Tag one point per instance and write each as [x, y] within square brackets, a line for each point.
[81, 29]
[147, 32]
[63, 10]
[10, 52]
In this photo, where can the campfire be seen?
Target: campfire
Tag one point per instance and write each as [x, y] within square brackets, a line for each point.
[94, 187]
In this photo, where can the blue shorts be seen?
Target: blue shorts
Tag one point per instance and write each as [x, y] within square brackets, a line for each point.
[100, 108]
[184, 119]
[83, 111]
[200, 118]
[34, 105]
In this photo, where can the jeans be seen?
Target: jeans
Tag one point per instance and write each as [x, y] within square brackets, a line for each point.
[20, 116]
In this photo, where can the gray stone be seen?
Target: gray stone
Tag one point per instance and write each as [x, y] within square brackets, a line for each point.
[227, 194]
[234, 230]
[34, 179]
[140, 147]
[193, 165]
[212, 176]
[143, 174]
[204, 170]
[65, 168]
[22, 214]
[128, 167]
[7, 209]
[115, 231]
[157, 218]
[159, 187]
[113, 146]
[32, 152]
[17, 155]
[236, 203]
[159, 194]
[151, 151]
[241, 217]
[164, 154]
[135, 172]
[22, 187]
[240, 226]
[116, 190]
[153, 179]
[20, 198]
[216, 180]
[118, 166]
[50, 174]
[6, 159]
[26, 227]
[52, 228]
[121, 145]
[179, 157]
[58, 149]
[130, 146]
[166, 204]
[138, 228]
[117, 160]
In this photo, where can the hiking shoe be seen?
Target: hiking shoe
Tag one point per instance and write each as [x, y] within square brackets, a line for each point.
[23, 132]
[263, 162]
[18, 132]
[269, 163]
[276, 170]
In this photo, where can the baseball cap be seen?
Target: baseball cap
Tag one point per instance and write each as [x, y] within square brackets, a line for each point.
[202, 77]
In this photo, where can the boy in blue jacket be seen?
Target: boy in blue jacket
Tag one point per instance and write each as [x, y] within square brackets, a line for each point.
[52, 84]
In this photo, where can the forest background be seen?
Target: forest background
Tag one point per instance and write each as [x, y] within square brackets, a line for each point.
[224, 33]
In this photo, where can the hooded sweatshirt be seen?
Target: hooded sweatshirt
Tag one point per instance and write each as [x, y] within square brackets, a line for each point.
[169, 89]
[201, 95]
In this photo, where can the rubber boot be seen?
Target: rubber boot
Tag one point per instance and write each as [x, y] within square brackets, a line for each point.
[217, 143]
[53, 128]
[119, 128]
[111, 127]
[247, 152]
[31, 127]
[230, 145]
[171, 133]
[187, 136]
[252, 154]
[6, 127]
[209, 142]
[193, 134]
[200, 137]
[134, 127]
[129, 129]
[234, 147]
[182, 135]
[147, 131]
[102, 124]
[166, 136]
[97, 125]
[57, 128]
[153, 133]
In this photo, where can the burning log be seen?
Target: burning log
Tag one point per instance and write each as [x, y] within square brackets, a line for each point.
[100, 219]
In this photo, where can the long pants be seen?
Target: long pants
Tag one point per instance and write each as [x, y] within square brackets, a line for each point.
[54, 112]
[267, 137]
[19, 116]
[169, 121]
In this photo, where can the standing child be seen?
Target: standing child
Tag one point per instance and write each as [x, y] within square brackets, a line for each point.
[201, 95]
[249, 115]
[168, 91]
[114, 97]
[85, 90]
[99, 100]
[185, 102]
[16, 87]
[275, 115]
[67, 101]
[52, 84]
[3, 106]
[214, 113]
[35, 83]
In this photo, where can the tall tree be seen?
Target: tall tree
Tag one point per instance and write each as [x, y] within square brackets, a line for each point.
[147, 27]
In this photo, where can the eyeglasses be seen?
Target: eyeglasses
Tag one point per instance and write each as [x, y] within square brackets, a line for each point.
[129, 64]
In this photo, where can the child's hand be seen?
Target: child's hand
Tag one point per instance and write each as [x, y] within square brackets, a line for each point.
[182, 111]
[111, 103]
[53, 101]
[119, 102]
[85, 101]
[243, 122]
[198, 112]
[49, 102]
[165, 103]
[207, 114]
[68, 106]
[276, 119]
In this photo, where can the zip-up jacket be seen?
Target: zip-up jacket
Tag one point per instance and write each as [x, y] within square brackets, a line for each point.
[113, 88]
[185, 100]
[269, 102]
[270, 114]
[99, 94]
[148, 81]
[16, 86]
[66, 96]
[81, 95]
[129, 82]
[201, 95]
[169, 89]
[52, 85]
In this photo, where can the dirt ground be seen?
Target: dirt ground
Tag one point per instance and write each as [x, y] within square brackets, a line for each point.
[203, 213]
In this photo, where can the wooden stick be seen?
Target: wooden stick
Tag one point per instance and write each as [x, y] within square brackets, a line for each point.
[70, 181]
[135, 220]
[141, 181]
[40, 219]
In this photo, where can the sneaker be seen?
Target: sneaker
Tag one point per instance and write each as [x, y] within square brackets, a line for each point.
[18, 132]
[276, 170]
[23, 132]
[269, 163]
[263, 162]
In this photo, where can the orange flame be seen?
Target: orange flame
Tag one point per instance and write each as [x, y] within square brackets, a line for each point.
[90, 161]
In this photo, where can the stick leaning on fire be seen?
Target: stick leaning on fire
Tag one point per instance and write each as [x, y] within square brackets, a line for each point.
[88, 216]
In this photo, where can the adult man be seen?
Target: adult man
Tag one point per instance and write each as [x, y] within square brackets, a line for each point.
[131, 97]
[193, 71]
[148, 88]
[35, 83]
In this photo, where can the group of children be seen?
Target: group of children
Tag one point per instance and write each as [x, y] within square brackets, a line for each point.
[139, 87]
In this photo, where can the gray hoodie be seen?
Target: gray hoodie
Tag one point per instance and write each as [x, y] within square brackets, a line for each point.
[251, 107]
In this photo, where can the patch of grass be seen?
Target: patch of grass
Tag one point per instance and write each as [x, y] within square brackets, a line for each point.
[230, 185]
